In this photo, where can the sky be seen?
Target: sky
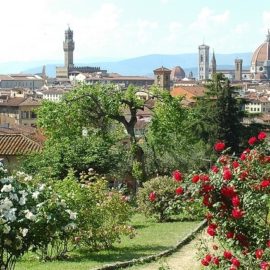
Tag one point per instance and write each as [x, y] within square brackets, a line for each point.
[33, 30]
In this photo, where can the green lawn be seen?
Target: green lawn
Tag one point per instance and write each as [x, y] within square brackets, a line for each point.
[151, 238]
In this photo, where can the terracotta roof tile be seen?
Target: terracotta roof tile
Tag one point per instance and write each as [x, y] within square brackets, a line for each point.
[17, 144]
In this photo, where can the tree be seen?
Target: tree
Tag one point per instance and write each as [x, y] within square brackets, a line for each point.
[217, 114]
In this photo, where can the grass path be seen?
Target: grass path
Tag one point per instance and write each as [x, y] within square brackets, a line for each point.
[184, 259]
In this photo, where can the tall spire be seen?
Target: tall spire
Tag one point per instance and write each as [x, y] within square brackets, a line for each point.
[268, 36]
[213, 63]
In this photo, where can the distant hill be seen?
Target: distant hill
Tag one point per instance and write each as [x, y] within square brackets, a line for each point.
[144, 65]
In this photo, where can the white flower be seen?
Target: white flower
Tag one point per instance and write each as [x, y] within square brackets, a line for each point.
[29, 215]
[13, 196]
[28, 178]
[7, 188]
[23, 193]
[6, 229]
[70, 227]
[35, 195]
[22, 200]
[24, 231]
[42, 187]
[10, 215]
[6, 204]
[72, 215]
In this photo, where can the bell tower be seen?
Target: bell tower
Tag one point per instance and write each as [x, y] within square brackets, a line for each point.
[68, 46]
[203, 62]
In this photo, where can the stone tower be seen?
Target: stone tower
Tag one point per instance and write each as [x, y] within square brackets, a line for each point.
[203, 62]
[162, 77]
[238, 69]
[68, 46]
[213, 65]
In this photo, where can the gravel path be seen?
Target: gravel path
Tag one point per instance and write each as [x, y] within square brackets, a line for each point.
[184, 259]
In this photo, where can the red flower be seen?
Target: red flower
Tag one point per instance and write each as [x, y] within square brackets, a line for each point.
[265, 183]
[230, 235]
[215, 169]
[252, 140]
[179, 191]
[264, 265]
[211, 230]
[235, 262]
[219, 146]
[259, 253]
[216, 261]
[204, 262]
[233, 267]
[206, 200]
[152, 196]
[177, 175]
[228, 191]
[227, 175]
[227, 255]
[207, 188]
[204, 177]
[262, 135]
[208, 216]
[243, 156]
[235, 164]
[208, 257]
[237, 213]
[235, 200]
[268, 243]
[195, 178]
[243, 175]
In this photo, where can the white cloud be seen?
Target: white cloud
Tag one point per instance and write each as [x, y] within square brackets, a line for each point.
[174, 30]
[241, 28]
[146, 30]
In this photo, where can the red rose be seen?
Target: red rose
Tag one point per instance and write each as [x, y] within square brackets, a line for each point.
[227, 175]
[259, 253]
[237, 213]
[233, 267]
[216, 261]
[265, 183]
[195, 178]
[243, 156]
[235, 262]
[235, 164]
[208, 216]
[230, 235]
[152, 196]
[219, 146]
[235, 200]
[242, 239]
[204, 262]
[215, 169]
[243, 175]
[207, 188]
[211, 230]
[177, 175]
[262, 135]
[264, 265]
[204, 177]
[179, 191]
[227, 255]
[206, 200]
[252, 140]
[228, 191]
[208, 257]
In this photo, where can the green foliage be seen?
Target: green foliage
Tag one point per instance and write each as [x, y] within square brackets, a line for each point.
[164, 206]
[102, 213]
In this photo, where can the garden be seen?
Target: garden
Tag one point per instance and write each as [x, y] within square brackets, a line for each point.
[98, 194]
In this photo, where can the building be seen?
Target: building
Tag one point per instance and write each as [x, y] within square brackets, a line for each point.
[162, 77]
[18, 110]
[203, 62]
[21, 81]
[63, 73]
[53, 94]
[177, 74]
[257, 105]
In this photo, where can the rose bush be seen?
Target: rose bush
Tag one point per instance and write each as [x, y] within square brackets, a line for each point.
[31, 217]
[235, 193]
[163, 197]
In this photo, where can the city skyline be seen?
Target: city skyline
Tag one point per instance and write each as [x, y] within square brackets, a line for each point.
[119, 29]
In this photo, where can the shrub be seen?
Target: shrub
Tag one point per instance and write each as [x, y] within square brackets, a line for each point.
[236, 196]
[102, 213]
[30, 217]
[159, 198]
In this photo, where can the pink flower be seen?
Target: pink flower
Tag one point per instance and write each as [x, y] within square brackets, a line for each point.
[152, 196]
[235, 262]
[252, 140]
[219, 146]
[177, 175]
[262, 135]
[264, 265]
[179, 191]
[265, 183]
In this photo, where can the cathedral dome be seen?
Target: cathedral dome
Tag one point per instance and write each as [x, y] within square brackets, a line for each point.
[260, 60]
[177, 73]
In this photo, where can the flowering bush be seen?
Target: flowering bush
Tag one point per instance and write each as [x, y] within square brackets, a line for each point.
[30, 217]
[163, 197]
[102, 213]
[236, 195]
